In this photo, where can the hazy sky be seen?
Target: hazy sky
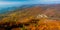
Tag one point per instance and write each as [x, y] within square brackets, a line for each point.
[22, 2]
[29, 1]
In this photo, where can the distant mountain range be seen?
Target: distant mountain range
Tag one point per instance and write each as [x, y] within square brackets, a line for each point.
[7, 9]
[52, 10]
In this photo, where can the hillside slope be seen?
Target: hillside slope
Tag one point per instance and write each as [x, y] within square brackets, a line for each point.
[32, 18]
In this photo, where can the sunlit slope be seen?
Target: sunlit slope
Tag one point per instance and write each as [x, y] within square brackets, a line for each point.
[33, 18]
[21, 15]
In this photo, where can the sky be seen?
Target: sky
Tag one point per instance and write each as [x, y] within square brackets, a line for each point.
[29, 1]
[4, 3]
